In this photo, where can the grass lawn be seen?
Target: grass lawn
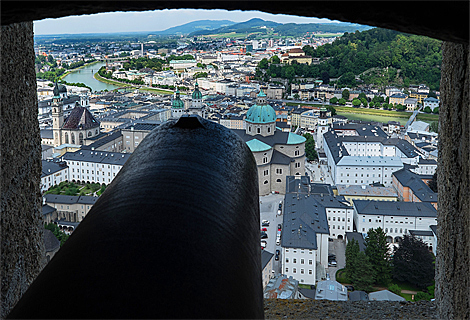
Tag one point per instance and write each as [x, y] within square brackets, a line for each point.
[377, 112]
[407, 296]
[305, 286]
[427, 117]
[341, 276]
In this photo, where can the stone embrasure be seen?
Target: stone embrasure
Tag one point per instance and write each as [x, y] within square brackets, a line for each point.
[325, 309]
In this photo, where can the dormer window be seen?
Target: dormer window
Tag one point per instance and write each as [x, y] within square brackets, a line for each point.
[258, 130]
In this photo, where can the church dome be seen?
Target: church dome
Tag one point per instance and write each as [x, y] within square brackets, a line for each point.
[62, 88]
[177, 102]
[196, 93]
[261, 113]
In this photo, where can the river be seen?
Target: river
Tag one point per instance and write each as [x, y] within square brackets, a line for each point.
[85, 75]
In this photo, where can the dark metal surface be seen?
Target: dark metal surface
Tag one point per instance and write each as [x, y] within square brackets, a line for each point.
[176, 235]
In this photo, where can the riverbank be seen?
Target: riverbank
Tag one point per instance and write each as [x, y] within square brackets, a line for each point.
[81, 67]
[122, 84]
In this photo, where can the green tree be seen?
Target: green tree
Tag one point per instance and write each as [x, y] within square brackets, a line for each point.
[361, 96]
[275, 60]
[435, 110]
[345, 94]
[377, 251]
[60, 235]
[296, 96]
[400, 107]
[334, 100]
[332, 110]
[342, 101]
[325, 76]
[263, 64]
[413, 263]
[434, 126]
[422, 296]
[432, 184]
[364, 274]
[395, 288]
[356, 102]
[364, 102]
[310, 151]
[352, 250]
[427, 109]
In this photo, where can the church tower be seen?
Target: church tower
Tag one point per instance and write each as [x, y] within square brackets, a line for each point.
[57, 116]
[322, 127]
[177, 106]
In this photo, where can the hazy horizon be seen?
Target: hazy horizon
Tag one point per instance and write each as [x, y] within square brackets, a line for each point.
[153, 21]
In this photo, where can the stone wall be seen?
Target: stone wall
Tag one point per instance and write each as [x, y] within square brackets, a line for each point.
[453, 180]
[22, 247]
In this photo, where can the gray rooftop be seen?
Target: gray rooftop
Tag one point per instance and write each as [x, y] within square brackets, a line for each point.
[59, 198]
[394, 208]
[413, 181]
[356, 190]
[331, 290]
[304, 217]
[358, 237]
[51, 167]
[113, 158]
[266, 256]
[422, 233]
[385, 295]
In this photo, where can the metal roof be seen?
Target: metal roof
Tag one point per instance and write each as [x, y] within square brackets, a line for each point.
[395, 208]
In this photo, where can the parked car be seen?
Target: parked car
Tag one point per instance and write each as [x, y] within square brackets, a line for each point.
[264, 229]
[350, 288]
[327, 276]
[264, 235]
[278, 227]
[276, 257]
[278, 252]
[263, 244]
[265, 223]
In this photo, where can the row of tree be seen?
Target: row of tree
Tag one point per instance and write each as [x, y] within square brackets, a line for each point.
[60, 235]
[310, 151]
[410, 262]
[404, 59]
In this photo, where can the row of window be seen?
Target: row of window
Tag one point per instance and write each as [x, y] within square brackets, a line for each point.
[301, 251]
[302, 271]
[92, 172]
[88, 164]
[362, 175]
[302, 261]
[334, 219]
[342, 227]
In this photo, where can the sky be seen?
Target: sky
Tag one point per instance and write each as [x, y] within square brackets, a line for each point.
[153, 20]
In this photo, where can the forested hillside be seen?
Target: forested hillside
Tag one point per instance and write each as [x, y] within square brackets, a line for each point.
[377, 56]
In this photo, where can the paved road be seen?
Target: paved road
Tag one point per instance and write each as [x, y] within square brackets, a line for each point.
[268, 210]
[338, 248]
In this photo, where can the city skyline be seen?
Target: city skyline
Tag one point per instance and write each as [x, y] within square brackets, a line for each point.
[157, 20]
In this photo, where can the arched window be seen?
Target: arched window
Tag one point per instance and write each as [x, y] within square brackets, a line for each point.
[396, 230]
[73, 138]
[56, 136]
[80, 139]
[278, 180]
[89, 133]
[401, 230]
[258, 130]
[269, 129]
[386, 230]
[265, 181]
[249, 128]
[96, 131]
[66, 137]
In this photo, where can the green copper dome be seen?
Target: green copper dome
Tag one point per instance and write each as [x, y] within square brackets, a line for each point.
[196, 93]
[261, 113]
[56, 90]
[177, 102]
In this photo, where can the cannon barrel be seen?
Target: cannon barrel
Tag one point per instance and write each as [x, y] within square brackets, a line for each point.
[175, 235]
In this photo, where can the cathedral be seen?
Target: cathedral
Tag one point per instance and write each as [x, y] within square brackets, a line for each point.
[196, 107]
[278, 154]
[77, 127]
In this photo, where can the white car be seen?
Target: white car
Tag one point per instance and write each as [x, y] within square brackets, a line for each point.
[263, 244]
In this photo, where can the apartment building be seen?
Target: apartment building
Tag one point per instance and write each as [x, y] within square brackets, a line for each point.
[395, 218]
[94, 166]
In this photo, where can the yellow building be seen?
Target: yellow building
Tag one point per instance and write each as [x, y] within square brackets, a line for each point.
[366, 192]
[419, 95]
[398, 98]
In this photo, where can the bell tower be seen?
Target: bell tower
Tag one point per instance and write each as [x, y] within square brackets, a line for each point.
[57, 116]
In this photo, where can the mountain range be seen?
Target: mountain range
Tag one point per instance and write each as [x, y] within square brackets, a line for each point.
[205, 27]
